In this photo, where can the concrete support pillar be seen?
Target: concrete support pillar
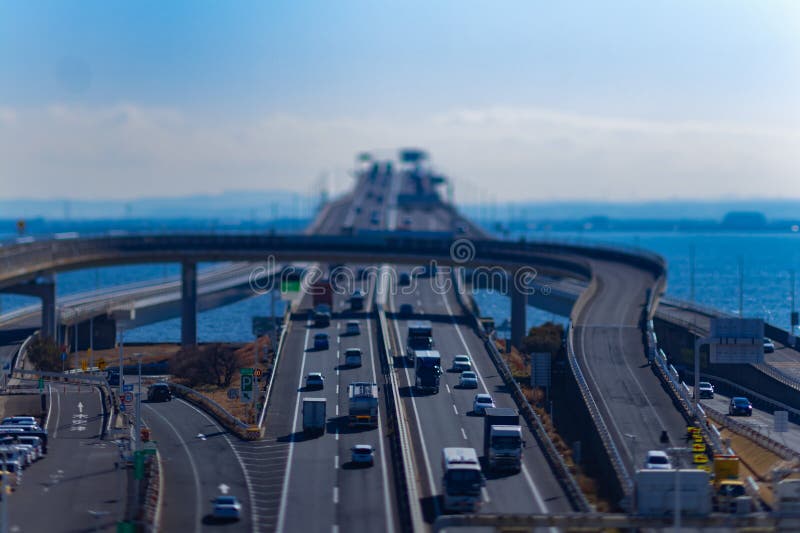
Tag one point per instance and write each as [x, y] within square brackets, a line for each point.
[43, 287]
[189, 304]
[519, 301]
[48, 295]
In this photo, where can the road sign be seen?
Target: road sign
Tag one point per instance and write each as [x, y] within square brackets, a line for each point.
[63, 356]
[127, 387]
[258, 373]
[246, 388]
[540, 369]
[41, 383]
[246, 371]
[737, 340]
[128, 397]
[781, 421]
[290, 285]
[84, 365]
[101, 364]
[233, 394]
[122, 407]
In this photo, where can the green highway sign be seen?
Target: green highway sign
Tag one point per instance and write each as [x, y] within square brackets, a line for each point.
[290, 285]
[246, 371]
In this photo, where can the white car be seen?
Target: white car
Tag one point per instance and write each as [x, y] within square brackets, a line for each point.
[314, 380]
[468, 380]
[706, 390]
[226, 508]
[462, 363]
[657, 460]
[362, 454]
[481, 403]
[352, 328]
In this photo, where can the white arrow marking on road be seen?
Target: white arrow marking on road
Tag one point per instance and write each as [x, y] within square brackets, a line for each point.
[223, 488]
[80, 407]
[201, 436]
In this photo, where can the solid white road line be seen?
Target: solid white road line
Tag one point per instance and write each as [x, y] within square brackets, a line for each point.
[287, 475]
[428, 469]
[384, 470]
[245, 471]
[198, 511]
[528, 479]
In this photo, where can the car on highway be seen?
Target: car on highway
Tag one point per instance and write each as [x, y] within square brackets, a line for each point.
[159, 392]
[36, 442]
[315, 380]
[657, 460]
[481, 403]
[321, 341]
[406, 310]
[352, 327]
[322, 319]
[226, 507]
[362, 454]
[27, 454]
[461, 363]
[769, 346]
[740, 406]
[468, 380]
[352, 357]
[706, 390]
[20, 421]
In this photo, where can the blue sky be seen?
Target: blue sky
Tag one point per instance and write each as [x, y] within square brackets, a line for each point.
[553, 99]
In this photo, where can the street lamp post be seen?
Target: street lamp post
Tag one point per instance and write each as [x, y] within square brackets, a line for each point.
[677, 511]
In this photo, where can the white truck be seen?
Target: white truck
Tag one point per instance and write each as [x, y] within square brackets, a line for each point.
[462, 480]
[363, 404]
[314, 415]
[502, 439]
[655, 492]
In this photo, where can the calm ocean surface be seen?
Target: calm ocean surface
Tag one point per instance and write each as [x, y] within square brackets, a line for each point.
[767, 260]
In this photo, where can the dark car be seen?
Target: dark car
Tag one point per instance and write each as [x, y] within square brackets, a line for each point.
[740, 406]
[406, 310]
[769, 346]
[159, 392]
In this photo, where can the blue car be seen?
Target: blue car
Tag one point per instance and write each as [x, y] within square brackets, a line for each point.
[321, 341]
[740, 406]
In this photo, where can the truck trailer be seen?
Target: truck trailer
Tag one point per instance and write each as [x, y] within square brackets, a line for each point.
[314, 415]
[502, 439]
[363, 404]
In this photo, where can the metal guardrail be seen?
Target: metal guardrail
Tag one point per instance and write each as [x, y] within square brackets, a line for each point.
[405, 469]
[287, 325]
[669, 376]
[605, 435]
[223, 416]
[784, 452]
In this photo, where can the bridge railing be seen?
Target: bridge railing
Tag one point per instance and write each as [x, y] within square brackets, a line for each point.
[626, 481]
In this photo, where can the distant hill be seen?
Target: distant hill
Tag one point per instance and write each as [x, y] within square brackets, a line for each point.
[233, 205]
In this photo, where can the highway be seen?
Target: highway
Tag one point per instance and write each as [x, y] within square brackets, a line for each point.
[77, 482]
[610, 350]
[761, 421]
[318, 469]
[288, 482]
[446, 419]
[197, 456]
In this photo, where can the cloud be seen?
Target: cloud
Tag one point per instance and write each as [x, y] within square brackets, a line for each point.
[128, 150]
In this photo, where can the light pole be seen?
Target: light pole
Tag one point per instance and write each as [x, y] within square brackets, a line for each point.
[677, 511]
[633, 447]
[138, 427]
